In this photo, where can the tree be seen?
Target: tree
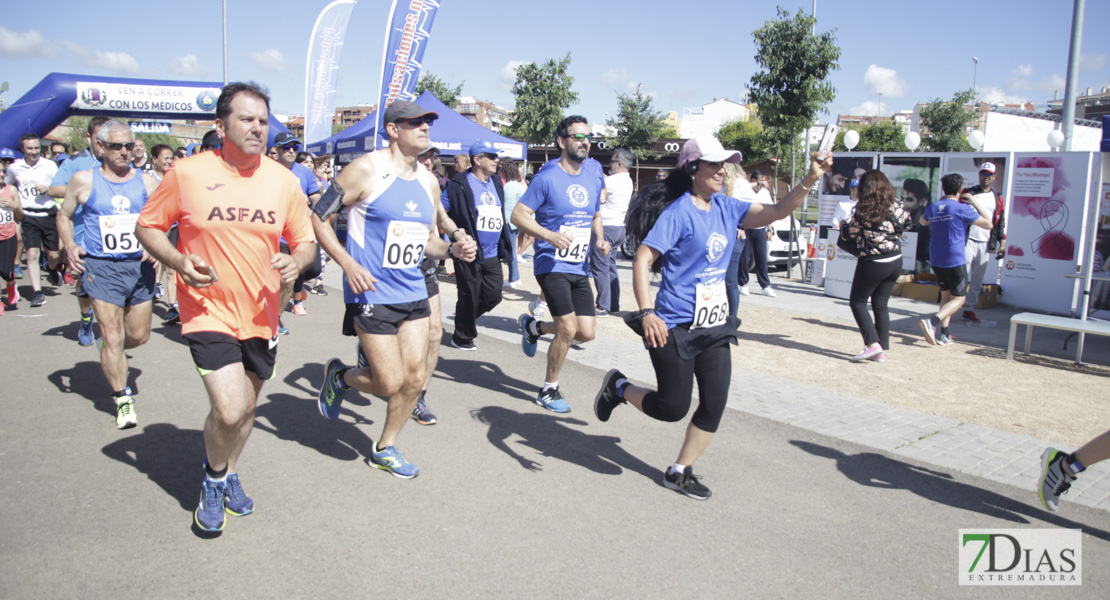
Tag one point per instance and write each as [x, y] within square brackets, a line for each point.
[542, 92]
[747, 137]
[791, 85]
[943, 123]
[638, 125]
[439, 88]
[153, 139]
[884, 136]
[75, 137]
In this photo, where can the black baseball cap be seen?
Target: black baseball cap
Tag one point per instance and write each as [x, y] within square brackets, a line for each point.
[403, 109]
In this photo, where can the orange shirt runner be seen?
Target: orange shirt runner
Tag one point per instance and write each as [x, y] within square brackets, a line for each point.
[233, 220]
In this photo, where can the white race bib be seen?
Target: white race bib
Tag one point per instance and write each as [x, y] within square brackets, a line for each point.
[404, 244]
[117, 234]
[6, 216]
[579, 246]
[490, 218]
[711, 305]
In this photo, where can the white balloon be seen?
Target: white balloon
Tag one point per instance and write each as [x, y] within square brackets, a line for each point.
[1055, 139]
[913, 140]
[976, 139]
[851, 139]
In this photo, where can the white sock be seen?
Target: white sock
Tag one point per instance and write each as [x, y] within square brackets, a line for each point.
[548, 385]
[677, 468]
[534, 327]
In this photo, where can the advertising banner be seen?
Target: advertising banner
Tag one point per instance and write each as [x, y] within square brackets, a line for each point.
[916, 180]
[1045, 229]
[406, 38]
[840, 269]
[834, 185]
[137, 98]
[322, 70]
[967, 165]
[150, 126]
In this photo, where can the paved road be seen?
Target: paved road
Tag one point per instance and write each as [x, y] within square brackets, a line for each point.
[512, 501]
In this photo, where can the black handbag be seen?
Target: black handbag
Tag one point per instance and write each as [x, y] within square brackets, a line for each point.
[847, 243]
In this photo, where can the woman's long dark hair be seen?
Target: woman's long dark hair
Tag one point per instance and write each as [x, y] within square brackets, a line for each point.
[876, 198]
[650, 202]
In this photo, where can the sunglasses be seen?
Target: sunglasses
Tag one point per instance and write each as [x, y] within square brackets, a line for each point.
[580, 137]
[117, 146]
[288, 147]
[491, 156]
[418, 121]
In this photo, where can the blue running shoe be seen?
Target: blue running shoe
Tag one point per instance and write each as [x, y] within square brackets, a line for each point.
[527, 340]
[85, 333]
[209, 514]
[282, 329]
[552, 399]
[390, 459]
[236, 501]
[422, 415]
[331, 393]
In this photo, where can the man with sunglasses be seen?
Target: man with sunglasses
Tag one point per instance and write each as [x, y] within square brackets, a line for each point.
[391, 200]
[32, 175]
[565, 200]
[287, 146]
[115, 271]
[476, 201]
[86, 160]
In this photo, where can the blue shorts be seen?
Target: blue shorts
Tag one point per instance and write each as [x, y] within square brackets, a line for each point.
[123, 283]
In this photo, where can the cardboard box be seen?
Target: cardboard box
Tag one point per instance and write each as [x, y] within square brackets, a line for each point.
[902, 280]
[924, 287]
[988, 298]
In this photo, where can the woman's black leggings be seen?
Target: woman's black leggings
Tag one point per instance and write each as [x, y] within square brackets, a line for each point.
[671, 402]
[874, 281]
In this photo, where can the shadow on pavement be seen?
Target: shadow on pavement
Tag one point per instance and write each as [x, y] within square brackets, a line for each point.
[87, 380]
[68, 331]
[875, 470]
[1061, 364]
[309, 377]
[485, 375]
[550, 436]
[170, 457]
[783, 341]
[298, 419]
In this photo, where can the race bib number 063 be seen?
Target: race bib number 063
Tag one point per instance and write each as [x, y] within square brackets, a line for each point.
[404, 244]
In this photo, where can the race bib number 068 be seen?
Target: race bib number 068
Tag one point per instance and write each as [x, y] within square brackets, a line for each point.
[404, 244]
[711, 306]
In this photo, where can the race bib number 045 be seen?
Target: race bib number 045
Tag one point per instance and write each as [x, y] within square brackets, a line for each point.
[711, 306]
[579, 247]
[117, 233]
[404, 244]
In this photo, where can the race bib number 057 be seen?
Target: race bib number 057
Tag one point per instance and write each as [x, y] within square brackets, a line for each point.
[404, 244]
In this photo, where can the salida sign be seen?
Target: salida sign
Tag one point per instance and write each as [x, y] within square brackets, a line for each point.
[126, 97]
[1021, 557]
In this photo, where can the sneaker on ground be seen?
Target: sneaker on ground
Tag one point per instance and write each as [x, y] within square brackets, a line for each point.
[54, 277]
[236, 501]
[209, 514]
[85, 335]
[319, 290]
[600, 312]
[878, 357]
[552, 399]
[298, 309]
[172, 317]
[1, 309]
[515, 284]
[68, 279]
[744, 291]
[464, 346]
[125, 413]
[37, 299]
[929, 331]
[607, 397]
[1054, 480]
[13, 295]
[686, 483]
[390, 459]
[944, 339]
[282, 329]
[422, 415]
[867, 353]
[970, 317]
[331, 394]
[770, 293]
[538, 309]
[528, 342]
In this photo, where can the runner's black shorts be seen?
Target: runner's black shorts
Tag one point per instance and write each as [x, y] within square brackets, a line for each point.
[382, 319]
[8, 258]
[40, 232]
[952, 279]
[566, 293]
[212, 351]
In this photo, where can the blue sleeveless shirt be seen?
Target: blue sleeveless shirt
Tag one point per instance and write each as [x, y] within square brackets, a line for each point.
[110, 214]
[387, 233]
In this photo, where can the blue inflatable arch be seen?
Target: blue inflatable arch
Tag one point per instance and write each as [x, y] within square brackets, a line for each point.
[62, 95]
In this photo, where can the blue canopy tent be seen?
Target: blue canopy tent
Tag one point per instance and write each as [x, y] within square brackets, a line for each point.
[62, 95]
[452, 134]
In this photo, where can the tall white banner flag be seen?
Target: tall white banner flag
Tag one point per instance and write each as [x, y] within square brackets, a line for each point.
[322, 69]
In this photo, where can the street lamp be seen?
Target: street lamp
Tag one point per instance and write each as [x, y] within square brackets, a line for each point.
[880, 113]
[975, 89]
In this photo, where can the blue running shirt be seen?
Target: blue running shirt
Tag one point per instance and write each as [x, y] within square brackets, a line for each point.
[387, 233]
[948, 221]
[110, 214]
[567, 203]
[490, 214]
[696, 246]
